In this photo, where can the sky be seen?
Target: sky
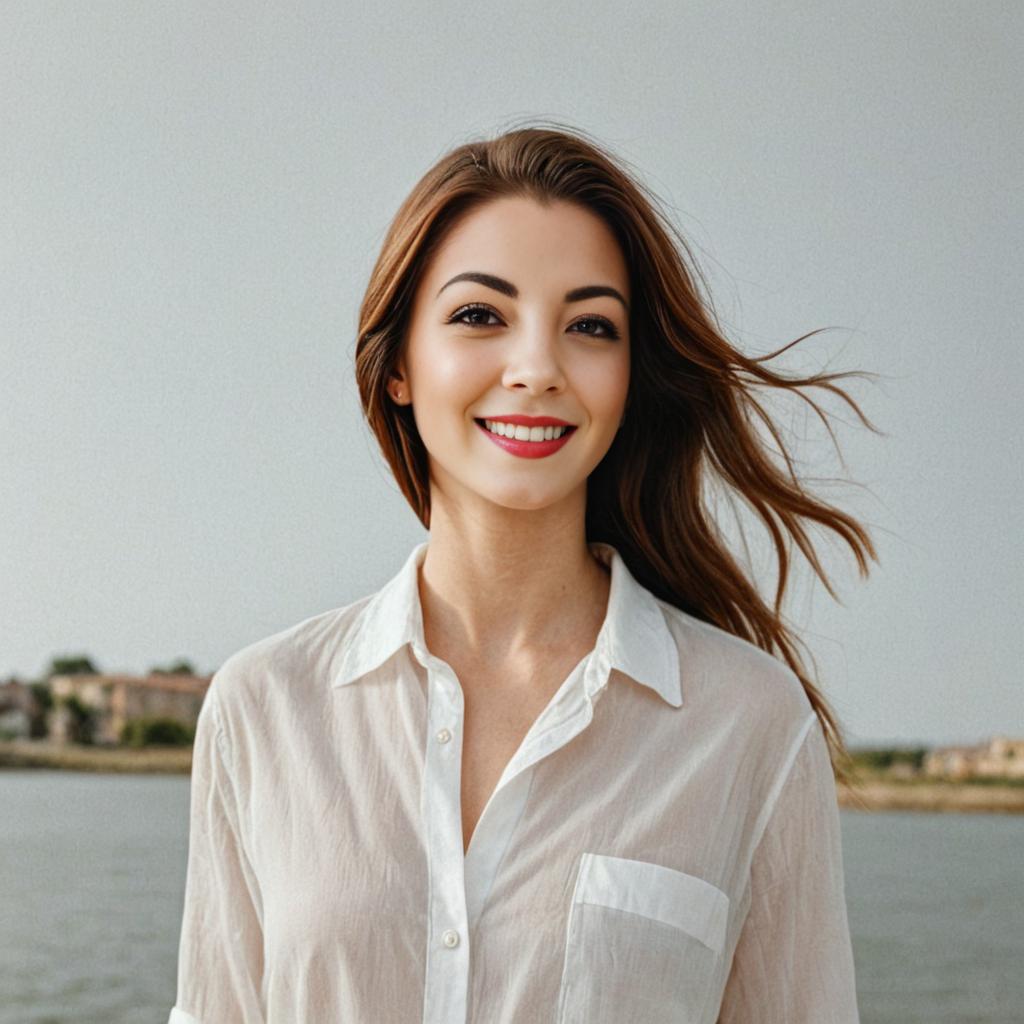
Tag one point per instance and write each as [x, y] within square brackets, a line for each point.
[192, 197]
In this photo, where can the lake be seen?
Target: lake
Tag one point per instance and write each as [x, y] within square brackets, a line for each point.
[93, 871]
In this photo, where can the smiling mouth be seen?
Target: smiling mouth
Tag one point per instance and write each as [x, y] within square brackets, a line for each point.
[565, 432]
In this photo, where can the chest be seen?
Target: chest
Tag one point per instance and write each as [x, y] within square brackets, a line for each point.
[589, 910]
[497, 718]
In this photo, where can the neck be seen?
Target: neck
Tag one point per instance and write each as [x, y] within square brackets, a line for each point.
[498, 593]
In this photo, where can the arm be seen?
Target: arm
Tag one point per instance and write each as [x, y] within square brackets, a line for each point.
[793, 962]
[220, 958]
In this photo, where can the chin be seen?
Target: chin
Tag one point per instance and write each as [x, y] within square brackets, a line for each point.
[526, 499]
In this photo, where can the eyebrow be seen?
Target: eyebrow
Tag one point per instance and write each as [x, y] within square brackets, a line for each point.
[587, 291]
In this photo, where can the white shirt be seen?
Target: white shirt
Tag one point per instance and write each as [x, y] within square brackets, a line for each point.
[663, 846]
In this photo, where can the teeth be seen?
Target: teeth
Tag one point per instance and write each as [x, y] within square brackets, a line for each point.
[523, 433]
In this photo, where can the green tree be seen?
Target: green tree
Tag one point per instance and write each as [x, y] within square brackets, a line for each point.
[884, 758]
[181, 667]
[83, 720]
[42, 705]
[71, 665]
[158, 731]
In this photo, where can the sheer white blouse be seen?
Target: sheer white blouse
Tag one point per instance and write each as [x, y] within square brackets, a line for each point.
[663, 846]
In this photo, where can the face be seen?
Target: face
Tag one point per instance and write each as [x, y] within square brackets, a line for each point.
[519, 344]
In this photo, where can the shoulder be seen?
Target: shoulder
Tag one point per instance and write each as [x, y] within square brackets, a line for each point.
[726, 677]
[291, 663]
[753, 712]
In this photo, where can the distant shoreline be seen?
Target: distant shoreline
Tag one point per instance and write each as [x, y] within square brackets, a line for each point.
[880, 794]
[874, 793]
[81, 758]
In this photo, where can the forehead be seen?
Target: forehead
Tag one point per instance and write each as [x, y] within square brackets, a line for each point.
[533, 245]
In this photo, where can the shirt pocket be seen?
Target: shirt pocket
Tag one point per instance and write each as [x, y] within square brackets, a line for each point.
[644, 942]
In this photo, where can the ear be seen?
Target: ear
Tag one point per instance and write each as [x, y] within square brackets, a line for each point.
[397, 386]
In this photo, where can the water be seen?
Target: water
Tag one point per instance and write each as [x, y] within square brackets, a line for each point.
[936, 904]
[92, 869]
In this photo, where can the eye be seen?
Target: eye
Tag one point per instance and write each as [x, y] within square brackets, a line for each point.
[611, 331]
[456, 317]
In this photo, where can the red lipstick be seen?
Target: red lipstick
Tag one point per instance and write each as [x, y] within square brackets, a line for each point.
[529, 449]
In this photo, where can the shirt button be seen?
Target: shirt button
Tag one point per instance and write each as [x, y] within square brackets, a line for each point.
[444, 736]
[451, 938]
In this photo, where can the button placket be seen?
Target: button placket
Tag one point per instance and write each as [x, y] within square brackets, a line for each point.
[446, 994]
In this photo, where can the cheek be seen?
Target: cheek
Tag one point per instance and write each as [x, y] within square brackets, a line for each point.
[603, 388]
[449, 375]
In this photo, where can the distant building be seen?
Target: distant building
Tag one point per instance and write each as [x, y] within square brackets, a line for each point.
[17, 706]
[1000, 757]
[115, 699]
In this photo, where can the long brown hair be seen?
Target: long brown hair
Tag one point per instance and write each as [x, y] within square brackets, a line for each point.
[692, 412]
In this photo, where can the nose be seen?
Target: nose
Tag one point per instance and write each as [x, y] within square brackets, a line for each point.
[534, 362]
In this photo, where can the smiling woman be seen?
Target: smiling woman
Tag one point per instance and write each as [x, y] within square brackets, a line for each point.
[539, 350]
[566, 764]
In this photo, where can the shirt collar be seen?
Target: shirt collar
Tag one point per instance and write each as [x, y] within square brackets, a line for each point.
[634, 637]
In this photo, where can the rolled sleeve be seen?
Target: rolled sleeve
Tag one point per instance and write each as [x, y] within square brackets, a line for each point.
[220, 957]
[793, 962]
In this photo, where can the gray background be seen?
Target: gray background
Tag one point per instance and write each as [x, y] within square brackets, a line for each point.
[191, 200]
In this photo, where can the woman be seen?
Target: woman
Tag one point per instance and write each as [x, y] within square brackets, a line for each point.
[565, 765]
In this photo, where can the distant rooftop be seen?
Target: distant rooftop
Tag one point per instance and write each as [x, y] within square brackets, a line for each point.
[180, 682]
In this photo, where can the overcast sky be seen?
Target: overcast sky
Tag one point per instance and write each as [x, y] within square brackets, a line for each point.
[192, 196]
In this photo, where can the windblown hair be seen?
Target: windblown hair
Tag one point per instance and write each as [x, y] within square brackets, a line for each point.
[692, 413]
